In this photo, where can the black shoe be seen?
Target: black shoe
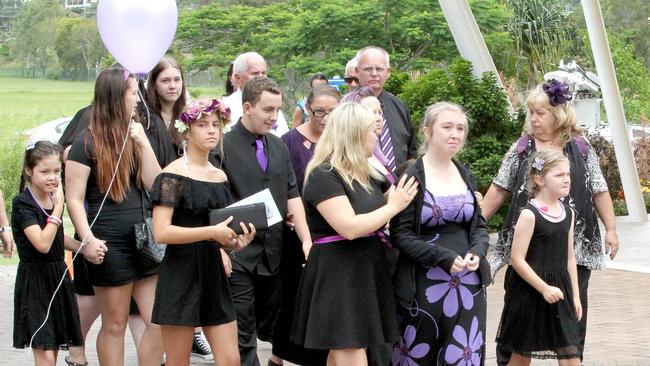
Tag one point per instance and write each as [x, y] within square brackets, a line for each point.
[201, 348]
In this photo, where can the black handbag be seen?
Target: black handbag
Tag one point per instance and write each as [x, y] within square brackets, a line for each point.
[151, 253]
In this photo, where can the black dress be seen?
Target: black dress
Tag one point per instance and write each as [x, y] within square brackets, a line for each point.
[530, 326]
[121, 264]
[37, 277]
[345, 298]
[192, 288]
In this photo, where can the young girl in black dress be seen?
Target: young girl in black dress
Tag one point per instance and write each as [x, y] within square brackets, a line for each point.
[193, 289]
[36, 222]
[542, 307]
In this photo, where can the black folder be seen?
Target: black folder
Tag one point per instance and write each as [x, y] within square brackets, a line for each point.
[254, 213]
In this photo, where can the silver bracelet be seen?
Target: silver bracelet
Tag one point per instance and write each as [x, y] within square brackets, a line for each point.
[5, 228]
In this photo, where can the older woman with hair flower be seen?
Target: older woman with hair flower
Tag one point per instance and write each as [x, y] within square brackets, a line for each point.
[551, 125]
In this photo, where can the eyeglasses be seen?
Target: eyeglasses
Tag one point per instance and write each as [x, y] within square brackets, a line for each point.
[319, 113]
[370, 69]
[351, 79]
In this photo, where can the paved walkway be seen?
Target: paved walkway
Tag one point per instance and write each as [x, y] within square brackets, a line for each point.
[618, 323]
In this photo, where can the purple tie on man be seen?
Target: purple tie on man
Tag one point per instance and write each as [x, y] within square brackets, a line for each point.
[262, 159]
[387, 146]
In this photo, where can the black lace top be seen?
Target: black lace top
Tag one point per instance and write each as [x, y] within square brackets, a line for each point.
[193, 199]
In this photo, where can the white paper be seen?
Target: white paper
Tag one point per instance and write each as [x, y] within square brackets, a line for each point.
[272, 213]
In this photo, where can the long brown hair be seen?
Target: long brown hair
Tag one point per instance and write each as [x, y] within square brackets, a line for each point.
[109, 125]
[153, 99]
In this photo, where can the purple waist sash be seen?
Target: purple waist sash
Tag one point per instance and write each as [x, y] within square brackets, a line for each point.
[332, 238]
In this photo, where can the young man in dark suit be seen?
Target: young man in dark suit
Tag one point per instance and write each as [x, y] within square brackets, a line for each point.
[253, 160]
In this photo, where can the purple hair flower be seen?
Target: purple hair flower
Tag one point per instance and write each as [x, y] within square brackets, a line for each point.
[450, 286]
[468, 354]
[196, 109]
[405, 352]
[558, 92]
[538, 164]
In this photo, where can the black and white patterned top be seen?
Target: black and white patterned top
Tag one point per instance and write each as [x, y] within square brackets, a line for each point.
[586, 180]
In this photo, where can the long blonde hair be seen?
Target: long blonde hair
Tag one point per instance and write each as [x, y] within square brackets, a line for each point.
[566, 122]
[343, 145]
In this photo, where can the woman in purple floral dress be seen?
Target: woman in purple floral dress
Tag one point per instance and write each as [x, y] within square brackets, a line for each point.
[443, 240]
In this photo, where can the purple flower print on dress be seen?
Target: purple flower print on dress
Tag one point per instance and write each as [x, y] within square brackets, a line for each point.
[468, 354]
[404, 354]
[431, 214]
[450, 287]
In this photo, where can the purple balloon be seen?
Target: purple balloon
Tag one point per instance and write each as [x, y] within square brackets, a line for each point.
[137, 32]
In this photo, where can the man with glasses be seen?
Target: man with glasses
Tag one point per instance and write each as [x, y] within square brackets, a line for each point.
[350, 77]
[397, 139]
[247, 66]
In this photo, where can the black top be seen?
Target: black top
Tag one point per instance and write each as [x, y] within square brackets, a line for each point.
[325, 182]
[83, 152]
[402, 135]
[157, 135]
[24, 214]
[193, 199]
[246, 178]
[548, 245]
[78, 123]
[414, 250]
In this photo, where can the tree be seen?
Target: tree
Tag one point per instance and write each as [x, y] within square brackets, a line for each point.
[630, 16]
[540, 30]
[34, 40]
[300, 37]
[78, 46]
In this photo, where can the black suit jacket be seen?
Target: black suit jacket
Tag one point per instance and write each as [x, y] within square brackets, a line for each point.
[240, 164]
[402, 134]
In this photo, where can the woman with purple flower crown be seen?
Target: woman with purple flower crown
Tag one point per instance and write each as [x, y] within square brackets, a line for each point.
[551, 125]
[443, 240]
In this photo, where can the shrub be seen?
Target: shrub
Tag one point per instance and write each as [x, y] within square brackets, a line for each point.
[11, 162]
[607, 157]
[396, 82]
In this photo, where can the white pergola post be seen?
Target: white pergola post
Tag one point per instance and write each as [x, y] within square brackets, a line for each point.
[614, 110]
[469, 39]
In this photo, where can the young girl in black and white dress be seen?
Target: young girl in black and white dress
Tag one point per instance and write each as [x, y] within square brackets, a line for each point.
[36, 223]
[193, 289]
[542, 307]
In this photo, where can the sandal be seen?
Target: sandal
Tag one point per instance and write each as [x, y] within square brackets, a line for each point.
[72, 363]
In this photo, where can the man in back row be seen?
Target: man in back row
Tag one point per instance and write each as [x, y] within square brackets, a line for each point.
[247, 66]
[397, 140]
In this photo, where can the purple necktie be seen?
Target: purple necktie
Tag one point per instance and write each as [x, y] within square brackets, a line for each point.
[261, 154]
[387, 146]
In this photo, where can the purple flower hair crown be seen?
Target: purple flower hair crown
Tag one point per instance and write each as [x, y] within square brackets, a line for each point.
[197, 108]
[558, 92]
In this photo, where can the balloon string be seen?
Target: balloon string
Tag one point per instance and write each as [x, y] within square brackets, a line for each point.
[146, 108]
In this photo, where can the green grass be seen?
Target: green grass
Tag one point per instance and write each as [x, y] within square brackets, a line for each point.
[26, 103]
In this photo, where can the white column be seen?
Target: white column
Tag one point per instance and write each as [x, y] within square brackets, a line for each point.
[614, 110]
[468, 38]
